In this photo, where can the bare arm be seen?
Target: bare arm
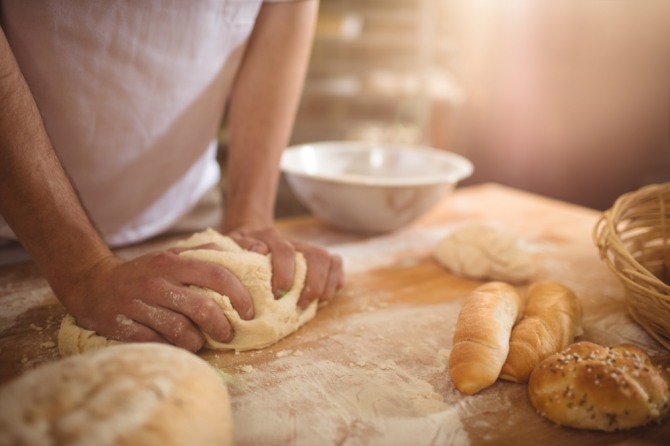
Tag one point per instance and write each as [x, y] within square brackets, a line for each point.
[146, 299]
[263, 107]
[34, 190]
[264, 103]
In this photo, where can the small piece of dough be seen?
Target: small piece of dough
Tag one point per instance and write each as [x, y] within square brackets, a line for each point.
[126, 395]
[589, 386]
[274, 318]
[481, 338]
[552, 317]
[482, 252]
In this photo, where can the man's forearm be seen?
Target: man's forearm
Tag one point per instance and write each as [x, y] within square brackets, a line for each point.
[264, 103]
[262, 112]
[36, 197]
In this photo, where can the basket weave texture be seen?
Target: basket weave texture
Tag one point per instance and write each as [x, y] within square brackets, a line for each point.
[633, 238]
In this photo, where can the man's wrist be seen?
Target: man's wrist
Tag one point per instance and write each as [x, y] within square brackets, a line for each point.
[64, 270]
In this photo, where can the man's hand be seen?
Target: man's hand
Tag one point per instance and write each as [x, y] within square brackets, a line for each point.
[272, 73]
[324, 271]
[148, 299]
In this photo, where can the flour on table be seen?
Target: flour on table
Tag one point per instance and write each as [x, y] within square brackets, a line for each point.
[274, 318]
[381, 389]
[485, 253]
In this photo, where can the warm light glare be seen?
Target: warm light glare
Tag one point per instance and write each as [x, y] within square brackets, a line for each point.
[376, 158]
[568, 98]
[310, 161]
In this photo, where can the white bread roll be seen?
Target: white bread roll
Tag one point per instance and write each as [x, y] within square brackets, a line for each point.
[589, 386]
[551, 319]
[481, 338]
[134, 394]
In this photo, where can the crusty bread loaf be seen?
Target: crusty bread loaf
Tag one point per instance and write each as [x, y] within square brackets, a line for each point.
[481, 338]
[589, 386]
[552, 317]
[133, 394]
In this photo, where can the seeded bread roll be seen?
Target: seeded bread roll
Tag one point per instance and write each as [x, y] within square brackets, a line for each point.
[551, 318]
[588, 386]
[124, 395]
[481, 338]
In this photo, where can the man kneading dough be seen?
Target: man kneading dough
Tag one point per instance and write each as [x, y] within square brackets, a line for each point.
[274, 318]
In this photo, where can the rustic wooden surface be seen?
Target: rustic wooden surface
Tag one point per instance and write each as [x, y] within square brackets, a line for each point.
[371, 368]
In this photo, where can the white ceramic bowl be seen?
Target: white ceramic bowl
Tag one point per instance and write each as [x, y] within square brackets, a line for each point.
[371, 187]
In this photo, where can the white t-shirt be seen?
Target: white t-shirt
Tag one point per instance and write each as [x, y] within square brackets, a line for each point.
[132, 93]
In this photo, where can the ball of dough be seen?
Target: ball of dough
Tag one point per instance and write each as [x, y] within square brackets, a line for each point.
[482, 252]
[274, 318]
[589, 386]
[133, 394]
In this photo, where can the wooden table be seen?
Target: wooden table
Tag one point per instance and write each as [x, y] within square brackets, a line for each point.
[371, 368]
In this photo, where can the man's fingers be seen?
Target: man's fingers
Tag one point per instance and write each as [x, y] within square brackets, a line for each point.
[335, 279]
[215, 277]
[282, 258]
[173, 326]
[283, 267]
[202, 311]
[250, 243]
[128, 330]
[323, 276]
[315, 281]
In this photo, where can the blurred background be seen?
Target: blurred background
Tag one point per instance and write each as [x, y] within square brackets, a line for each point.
[564, 98]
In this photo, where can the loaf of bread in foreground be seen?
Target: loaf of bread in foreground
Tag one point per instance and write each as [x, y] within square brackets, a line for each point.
[132, 394]
[481, 338]
[552, 317]
[589, 386]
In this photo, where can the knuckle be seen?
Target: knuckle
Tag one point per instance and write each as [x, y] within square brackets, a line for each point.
[193, 346]
[152, 286]
[207, 314]
[219, 274]
[283, 247]
[207, 311]
[162, 259]
[182, 333]
[318, 251]
[178, 327]
[193, 341]
[228, 332]
[306, 301]
[310, 293]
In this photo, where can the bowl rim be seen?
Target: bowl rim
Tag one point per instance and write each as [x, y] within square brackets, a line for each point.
[463, 167]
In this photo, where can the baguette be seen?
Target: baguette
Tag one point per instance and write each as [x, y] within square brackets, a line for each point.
[481, 338]
[552, 317]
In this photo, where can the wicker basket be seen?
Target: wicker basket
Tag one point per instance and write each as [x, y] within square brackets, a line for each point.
[633, 238]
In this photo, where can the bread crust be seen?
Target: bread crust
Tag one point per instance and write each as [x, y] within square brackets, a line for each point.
[552, 318]
[481, 337]
[125, 395]
[588, 386]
